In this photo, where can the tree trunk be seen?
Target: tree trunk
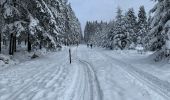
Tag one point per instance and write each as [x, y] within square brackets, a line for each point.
[0, 42]
[29, 43]
[70, 55]
[14, 43]
[11, 45]
[41, 44]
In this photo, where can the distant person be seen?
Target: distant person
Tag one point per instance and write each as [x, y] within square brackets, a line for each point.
[87, 45]
[91, 45]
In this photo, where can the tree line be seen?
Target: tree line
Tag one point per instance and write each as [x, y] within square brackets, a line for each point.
[39, 23]
[124, 32]
[127, 30]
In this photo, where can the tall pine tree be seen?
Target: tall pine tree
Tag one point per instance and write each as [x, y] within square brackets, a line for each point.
[120, 38]
[142, 26]
[159, 35]
[44, 21]
[131, 27]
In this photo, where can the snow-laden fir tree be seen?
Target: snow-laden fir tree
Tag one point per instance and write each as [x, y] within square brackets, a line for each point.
[74, 28]
[42, 23]
[1, 25]
[159, 35]
[124, 32]
[100, 33]
[96, 33]
[89, 31]
[118, 33]
[102, 36]
[131, 27]
[110, 35]
[142, 26]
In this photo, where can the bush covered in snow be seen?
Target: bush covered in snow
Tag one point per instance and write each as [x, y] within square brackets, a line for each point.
[4, 59]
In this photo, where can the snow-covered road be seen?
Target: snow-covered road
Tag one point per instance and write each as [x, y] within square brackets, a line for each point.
[94, 75]
[120, 80]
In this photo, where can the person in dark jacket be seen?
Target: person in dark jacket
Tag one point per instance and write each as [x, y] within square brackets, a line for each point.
[91, 45]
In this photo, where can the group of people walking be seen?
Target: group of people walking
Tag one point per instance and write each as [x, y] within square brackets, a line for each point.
[90, 45]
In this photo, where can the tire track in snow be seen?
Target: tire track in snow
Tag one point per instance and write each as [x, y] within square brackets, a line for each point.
[85, 85]
[39, 76]
[139, 75]
[78, 86]
[96, 92]
[89, 81]
[26, 86]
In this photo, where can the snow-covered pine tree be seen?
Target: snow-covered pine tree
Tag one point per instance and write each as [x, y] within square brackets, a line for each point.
[42, 23]
[89, 31]
[142, 26]
[109, 43]
[96, 33]
[159, 35]
[92, 32]
[102, 36]
[1, 25]
[120, 39]
[131, 27]
[86, 32]
[74, 28]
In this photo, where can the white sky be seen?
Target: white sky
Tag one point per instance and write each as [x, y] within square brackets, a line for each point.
[90, 10]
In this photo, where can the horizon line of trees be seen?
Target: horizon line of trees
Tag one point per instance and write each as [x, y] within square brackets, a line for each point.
[126, 31]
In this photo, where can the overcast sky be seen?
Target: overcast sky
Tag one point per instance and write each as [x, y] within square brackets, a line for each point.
[90, 10]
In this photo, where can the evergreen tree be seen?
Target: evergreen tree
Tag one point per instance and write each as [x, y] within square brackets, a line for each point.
[159, 35]
[74, 27]
[39, 22]
[86, 32]
[120, 39]
[0, 42]
[142, 26]
[89, 31]
[159, 28]
[1, 29]
[111, 35]
[131, 27]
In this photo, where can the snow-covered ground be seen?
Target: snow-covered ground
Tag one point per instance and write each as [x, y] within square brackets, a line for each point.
[95, 74]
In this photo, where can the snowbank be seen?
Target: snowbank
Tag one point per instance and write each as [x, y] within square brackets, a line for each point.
[6, 60]
[20, 57]
[139, 47]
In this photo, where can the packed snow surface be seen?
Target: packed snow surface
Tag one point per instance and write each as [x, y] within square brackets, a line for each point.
[95, 74]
